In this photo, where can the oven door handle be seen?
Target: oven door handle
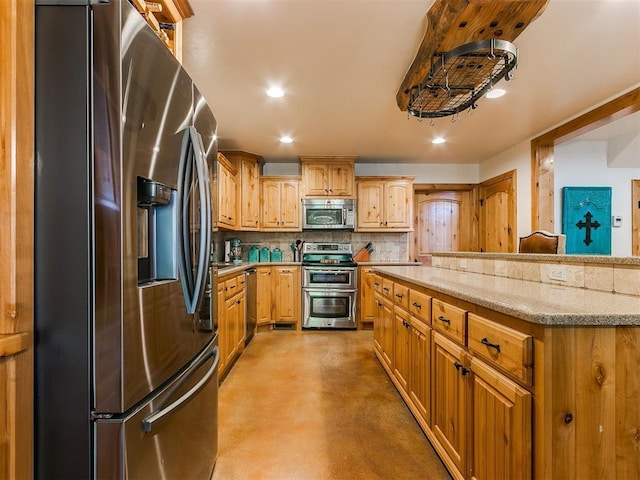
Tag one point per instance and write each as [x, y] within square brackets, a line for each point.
[329, 289]
[329, 270]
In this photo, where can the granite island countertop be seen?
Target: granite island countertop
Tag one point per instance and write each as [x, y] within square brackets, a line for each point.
[534, 302]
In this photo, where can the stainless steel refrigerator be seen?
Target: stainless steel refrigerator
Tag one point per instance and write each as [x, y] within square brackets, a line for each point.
[125, 331]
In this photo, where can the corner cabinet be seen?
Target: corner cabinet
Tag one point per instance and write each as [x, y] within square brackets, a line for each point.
[384, 204]
[280, 203]
[249, 167]
[328, 176]
[227, 193]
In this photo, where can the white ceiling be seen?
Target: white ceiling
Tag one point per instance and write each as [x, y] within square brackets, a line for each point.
[341, 63]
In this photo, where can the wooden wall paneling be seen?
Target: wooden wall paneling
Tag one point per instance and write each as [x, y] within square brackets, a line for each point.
[16, 237]
[542, 197]
[635, 217]
[627, 411]
[595, 425]
[561, 402]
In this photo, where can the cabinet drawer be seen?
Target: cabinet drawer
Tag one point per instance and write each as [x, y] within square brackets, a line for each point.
[449, 320]
[420, 306]
[377, 284]
[387, 289]
[401, 295]
[505, 347]
[230, 287]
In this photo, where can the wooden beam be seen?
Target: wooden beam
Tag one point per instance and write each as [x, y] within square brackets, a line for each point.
[452, 23]
[542, 148]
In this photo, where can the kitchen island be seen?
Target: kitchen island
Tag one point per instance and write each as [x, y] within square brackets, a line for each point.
[512, 377]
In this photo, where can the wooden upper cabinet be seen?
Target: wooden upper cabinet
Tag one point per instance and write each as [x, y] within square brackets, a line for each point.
[280, 203]
[165, 18]
[227, 216]
[384, 203]
[248, 197]
[328, 176]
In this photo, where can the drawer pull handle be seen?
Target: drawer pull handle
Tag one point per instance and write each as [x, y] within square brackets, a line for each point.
[444, 320]
[399, 295]
[385, 289]
[486, 342]
[417, 305]
[406, 324]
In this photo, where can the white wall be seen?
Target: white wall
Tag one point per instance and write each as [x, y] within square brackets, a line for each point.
[585, 164]
[516, 158]
[424, 172]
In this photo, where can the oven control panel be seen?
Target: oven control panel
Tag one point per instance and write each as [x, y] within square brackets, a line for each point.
[328, 248]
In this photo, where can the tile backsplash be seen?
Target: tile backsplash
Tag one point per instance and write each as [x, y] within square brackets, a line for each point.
[605, 275]
[387, 247]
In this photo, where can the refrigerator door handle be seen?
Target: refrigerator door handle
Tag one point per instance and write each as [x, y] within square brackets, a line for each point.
[193, 155]
[158, 415]
[204, 189]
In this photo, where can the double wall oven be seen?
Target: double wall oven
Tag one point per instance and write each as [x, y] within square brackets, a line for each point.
[329, 286]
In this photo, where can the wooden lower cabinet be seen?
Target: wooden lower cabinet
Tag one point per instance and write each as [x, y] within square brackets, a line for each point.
[278, 295]
[420, 369]
[367, 307]
[449, 402]
[501, 425]
[231, 320]
[263, 296]
[402, 348]
[286, 295]
[384, 328]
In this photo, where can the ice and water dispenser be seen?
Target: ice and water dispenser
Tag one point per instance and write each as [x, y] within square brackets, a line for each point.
[156, 232]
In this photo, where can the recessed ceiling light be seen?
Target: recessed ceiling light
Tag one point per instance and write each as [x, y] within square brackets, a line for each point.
[275, 92]
[438, 140]
[286, 139]
[495, 93]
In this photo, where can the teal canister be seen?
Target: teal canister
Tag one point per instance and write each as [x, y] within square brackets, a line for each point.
[276, 255]
[253, 255]
[265, 255]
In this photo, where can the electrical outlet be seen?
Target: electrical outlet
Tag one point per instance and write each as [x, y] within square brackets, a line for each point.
[558, 272]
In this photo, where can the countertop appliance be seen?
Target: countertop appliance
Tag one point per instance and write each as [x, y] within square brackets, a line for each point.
[126, 355]
[322, 213]
[329, 286]
[251, 313]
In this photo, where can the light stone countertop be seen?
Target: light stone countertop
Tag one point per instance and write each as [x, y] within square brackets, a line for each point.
[531, 301]
[381, 263]
[536, 257]
[228, 269]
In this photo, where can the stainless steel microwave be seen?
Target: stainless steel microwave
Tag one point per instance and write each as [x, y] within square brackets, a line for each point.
[322, 213]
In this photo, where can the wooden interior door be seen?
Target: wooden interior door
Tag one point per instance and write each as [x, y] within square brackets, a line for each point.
[635, 217]
[444, 222]
[498, 214]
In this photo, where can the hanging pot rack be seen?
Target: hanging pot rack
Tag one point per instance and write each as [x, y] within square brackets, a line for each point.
[458, 78]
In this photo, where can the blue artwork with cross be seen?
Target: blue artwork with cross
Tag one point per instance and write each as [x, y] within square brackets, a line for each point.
[586, 220]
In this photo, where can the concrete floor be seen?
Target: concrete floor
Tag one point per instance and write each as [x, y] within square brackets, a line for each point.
[317, 405]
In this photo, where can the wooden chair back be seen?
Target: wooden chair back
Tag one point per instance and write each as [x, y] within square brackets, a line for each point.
[541, 241]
